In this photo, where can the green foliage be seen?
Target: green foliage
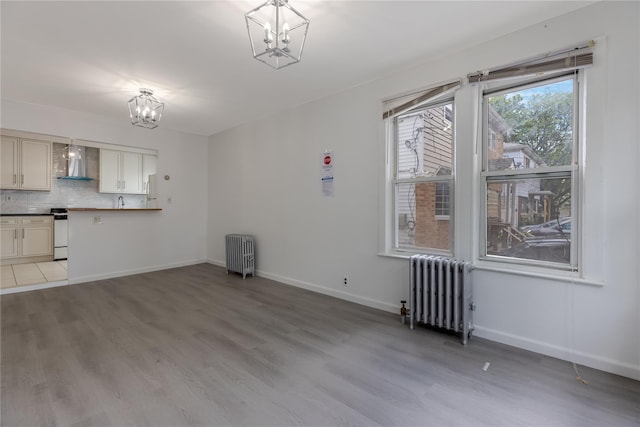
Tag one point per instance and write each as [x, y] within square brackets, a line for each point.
[543, 121]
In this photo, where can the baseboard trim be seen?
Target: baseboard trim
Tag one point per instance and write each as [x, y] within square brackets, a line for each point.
[26, 288]
[380, 305]
[114, 274]
[563, 353]
[95, 277]
[217, 263]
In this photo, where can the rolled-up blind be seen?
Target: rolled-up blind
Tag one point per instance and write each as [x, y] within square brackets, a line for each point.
[580, 56]
[396, 106]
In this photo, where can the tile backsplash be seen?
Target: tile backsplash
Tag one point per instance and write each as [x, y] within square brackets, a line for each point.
[66, 193]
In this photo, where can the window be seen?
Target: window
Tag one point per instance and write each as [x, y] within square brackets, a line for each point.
[530, 172]
[442, 200]
[423, 179]
[447, 118]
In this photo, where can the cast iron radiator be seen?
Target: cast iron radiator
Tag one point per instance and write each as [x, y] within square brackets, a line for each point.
[441, 294]
[240, 254]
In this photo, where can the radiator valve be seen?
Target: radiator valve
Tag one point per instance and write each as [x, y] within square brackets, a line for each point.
[404, 312]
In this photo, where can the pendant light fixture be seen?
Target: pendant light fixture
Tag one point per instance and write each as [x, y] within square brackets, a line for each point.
[145, 110]
[277, 33]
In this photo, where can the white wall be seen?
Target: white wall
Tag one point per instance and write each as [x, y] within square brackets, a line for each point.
[130, 242]
[265, 180]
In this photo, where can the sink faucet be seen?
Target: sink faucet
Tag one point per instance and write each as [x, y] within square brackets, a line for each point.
[120, 202]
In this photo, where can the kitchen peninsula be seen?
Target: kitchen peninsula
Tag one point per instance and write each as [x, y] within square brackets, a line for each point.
[112, 209]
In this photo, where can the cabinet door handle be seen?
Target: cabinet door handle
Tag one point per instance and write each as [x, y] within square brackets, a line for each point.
[15, 234]
[23, 234]
[124, 184]
[22, 179]
[15, 178]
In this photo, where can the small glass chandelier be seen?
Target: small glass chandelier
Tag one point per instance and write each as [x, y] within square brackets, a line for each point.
[277, 33]
[145, 110]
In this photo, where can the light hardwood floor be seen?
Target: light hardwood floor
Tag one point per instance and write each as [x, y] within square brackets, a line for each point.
[194, 347]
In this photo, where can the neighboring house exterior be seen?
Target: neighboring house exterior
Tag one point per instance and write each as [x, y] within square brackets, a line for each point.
[425, 149]
[513, 203]
[525, 201]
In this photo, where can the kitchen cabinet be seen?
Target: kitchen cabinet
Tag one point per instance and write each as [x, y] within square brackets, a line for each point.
[27, 237]
[120, 172]
[37, 236]
[149, 166]
[26, 164]
[9, 238]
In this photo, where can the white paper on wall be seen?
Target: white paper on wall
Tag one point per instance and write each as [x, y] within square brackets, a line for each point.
[326, 173]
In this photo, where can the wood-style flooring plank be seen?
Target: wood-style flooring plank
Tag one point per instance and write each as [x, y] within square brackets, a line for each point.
[193, 346]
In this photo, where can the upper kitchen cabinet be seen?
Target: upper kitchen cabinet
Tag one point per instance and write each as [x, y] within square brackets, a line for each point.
[120, 172]
[26, 164]
[149, 167]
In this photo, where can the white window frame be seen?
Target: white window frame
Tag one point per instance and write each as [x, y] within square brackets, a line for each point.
[572, 171]
[443, 217]
[392, 146]
[447, 121]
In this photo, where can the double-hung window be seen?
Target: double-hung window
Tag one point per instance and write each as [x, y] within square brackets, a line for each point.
[530, 172]
[421, 144]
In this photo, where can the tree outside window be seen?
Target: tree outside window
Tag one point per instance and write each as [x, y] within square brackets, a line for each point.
[528, 171]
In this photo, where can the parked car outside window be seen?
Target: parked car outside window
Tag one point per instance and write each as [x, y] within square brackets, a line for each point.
[561, 226]
[552, 249]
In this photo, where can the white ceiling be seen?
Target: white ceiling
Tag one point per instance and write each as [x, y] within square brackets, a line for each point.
[93, 56]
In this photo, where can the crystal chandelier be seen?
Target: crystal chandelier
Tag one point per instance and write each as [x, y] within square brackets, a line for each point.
[145, 110]
[277, 33]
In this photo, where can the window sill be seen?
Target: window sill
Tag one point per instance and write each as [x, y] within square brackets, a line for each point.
[399, 255]
[569, 277]
[408, 254]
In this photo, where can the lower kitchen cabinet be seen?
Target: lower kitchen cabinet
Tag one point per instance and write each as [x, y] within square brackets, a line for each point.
[26, 237]
[9, 238]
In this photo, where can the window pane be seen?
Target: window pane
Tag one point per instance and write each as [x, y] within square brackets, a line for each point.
[532, 127]
[424, 141]
[417, 222]
[442, 199]
[530, 219]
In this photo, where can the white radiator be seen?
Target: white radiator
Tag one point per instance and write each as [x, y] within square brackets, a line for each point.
[240, 254]
[441, 294]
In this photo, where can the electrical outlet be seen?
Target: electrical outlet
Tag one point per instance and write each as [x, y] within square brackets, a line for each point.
[346, 282]
[97, 220]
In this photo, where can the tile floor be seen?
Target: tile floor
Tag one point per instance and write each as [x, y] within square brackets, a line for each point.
[33, 274]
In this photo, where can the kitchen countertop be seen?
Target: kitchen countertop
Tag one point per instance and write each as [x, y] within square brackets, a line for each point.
[112, 209]
[26, 214]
